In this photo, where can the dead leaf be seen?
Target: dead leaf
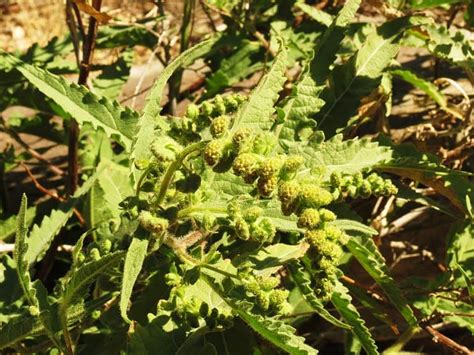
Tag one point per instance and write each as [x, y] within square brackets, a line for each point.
[101, 17]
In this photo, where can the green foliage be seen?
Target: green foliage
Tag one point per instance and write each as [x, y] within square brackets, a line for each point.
[236, 216]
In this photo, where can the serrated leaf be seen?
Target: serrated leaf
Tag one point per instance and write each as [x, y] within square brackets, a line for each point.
[86, 274]
[268, 260]
[273, 330]
[19, 255]
[361, 74]
[43, 234]
[302, 104]
[367, 254]
[117, 122]
[303, 282]
[451, 45]
[328, 45]
[256, 113]
[136, 254]
[349, 225]
[336, 155]
[342, 301]
[315, 13]
[427, 87]
[150, 120]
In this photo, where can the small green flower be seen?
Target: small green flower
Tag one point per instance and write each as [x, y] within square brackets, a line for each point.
[213, 152]
[309, 219]
[219, 125]
[192, 111]
[266, 186]
[326, 215]
[246, 165]
[270, 167]
[152, 223]
[314, 196]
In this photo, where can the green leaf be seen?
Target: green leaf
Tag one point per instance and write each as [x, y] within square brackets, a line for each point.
[336, 155]
[367, 254]
[349, 225]
[460, 253]
[43, 234]
[268, 260]
[275, 331]
[427, 87]
[343, 303]
[136, 254]
[85, 275]
[151, 119]
[423, 4]
[301, 104]
[303, 282]
[328, 45]
[361, 74]
[316, 14]
[256, 113]
[451, 45]
[80, 103]
[235, 68]
[19, 255]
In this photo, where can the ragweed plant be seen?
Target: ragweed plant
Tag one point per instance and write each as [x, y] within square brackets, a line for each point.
[234, 220]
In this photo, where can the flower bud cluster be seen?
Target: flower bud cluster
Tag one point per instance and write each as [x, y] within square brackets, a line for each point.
[200, 116]
[266, 294]
[189, 312]
[251, 225]
[359, 186]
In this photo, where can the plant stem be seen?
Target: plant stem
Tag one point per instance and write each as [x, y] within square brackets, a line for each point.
[174, 166]
[186, 29]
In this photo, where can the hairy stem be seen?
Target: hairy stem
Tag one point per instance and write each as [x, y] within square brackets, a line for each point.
[167, 179]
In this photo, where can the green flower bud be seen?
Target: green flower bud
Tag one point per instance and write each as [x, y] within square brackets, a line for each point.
[231, 104]
[96, 314]
[309, 219]
[263, 143]
[252, 214]
[94, 254]
[207, 108]
[270, 167]
[192, 111]
[333, 233]
[233, 209]
[327, 265]
[242, 229]
[278, 297]
[358, 179]
[266, 186]
[315, 237]
[263, 231]
[246, 165]
[106, 245]
[240, 136]
[346, 181]
[213, 152]
[152, 223]
[34, 311]
[365, 190]
[288, 192]
[352, 191]
[263, 300]
[219, 106]
[326, 215]
[291, 166]
[219, 125]
[314, 196]
[268, 283]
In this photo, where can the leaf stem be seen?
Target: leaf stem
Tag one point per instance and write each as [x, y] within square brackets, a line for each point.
[174, 166]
